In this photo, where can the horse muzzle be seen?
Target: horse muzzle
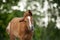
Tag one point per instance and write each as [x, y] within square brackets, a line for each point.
[31, 28]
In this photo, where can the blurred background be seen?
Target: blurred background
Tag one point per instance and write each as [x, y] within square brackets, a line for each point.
[46, 14]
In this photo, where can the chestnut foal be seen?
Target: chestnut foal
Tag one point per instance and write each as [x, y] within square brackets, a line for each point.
[21, 28]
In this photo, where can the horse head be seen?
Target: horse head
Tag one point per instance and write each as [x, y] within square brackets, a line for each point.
[29, 20]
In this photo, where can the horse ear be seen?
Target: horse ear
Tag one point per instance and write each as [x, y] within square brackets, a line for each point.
[30, 12]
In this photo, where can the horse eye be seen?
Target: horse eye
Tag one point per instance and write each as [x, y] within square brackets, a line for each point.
[25, 20]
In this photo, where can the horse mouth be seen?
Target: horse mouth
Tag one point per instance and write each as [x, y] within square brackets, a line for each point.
[31, 28]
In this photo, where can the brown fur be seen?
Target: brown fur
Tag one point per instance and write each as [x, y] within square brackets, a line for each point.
[19, 28]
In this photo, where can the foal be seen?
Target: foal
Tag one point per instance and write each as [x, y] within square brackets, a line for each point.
[21, 28]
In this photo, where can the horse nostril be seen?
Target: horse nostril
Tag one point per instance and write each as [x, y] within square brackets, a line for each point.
[32, 28]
